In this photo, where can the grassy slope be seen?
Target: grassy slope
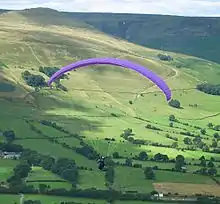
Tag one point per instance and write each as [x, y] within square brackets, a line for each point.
[26, 44]
[197, 36]
[79, 110]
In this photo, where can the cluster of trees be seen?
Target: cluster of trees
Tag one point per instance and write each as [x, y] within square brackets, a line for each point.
[10, 147]
[128, 135]
[49, 71]
[149, 173]
[161, 157]
[72, 202]
[64, 167]
[209, 88]
[20, 172]
[197, 141]
[164, 57]
[179, 161]
[127, 132]
[216, 136]
[214, 127]
[33, 79]
[179, 166]
[37, 81]
[208, 168]
[143, 156]
[9, 135]
[172, 118]
[87, 193]
[32, 202]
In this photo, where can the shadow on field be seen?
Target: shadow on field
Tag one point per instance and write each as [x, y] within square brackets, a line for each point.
[46, 103]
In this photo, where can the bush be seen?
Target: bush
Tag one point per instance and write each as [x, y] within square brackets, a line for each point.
[164, 57]
[174, 103]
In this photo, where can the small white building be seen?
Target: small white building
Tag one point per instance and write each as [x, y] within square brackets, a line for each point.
[11, 155]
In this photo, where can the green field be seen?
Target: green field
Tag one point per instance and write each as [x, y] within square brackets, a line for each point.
[136, 181]
[41, 176]
[9, 199]
[12, 199]
[96, 105]
[6, 168]
[91, 179]
[54, 199]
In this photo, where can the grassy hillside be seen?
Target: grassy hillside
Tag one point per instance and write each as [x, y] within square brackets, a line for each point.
[197, 36]
[96, 105]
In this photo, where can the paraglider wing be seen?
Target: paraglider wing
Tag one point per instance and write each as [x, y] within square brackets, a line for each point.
[117, 62]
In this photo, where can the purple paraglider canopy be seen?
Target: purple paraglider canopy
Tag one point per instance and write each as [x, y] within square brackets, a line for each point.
[117, 62]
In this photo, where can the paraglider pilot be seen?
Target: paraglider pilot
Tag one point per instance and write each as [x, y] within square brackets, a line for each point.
[101, 163]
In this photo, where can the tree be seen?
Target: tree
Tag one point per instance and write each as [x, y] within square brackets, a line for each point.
[22, 170]
[127, 133]
[210, 125]
[143, 156]
[128, 162]
[203, 171]
[9, 135]
[216, 128]
[161, 157]
[212, 159]
[216, 135]
[32, 202]
[171, 124]
[174, 145]
[212, 171]
[203, 163]
[42, 188]
[214, 144]
[115, 155]
[110, 175]
[174, 103]
[205, 147]
[211, 164]
[197, 141]
[202, 158]
[187, 141]
[172, 118]
[203, 131]
[180, 162]
[149, 173]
